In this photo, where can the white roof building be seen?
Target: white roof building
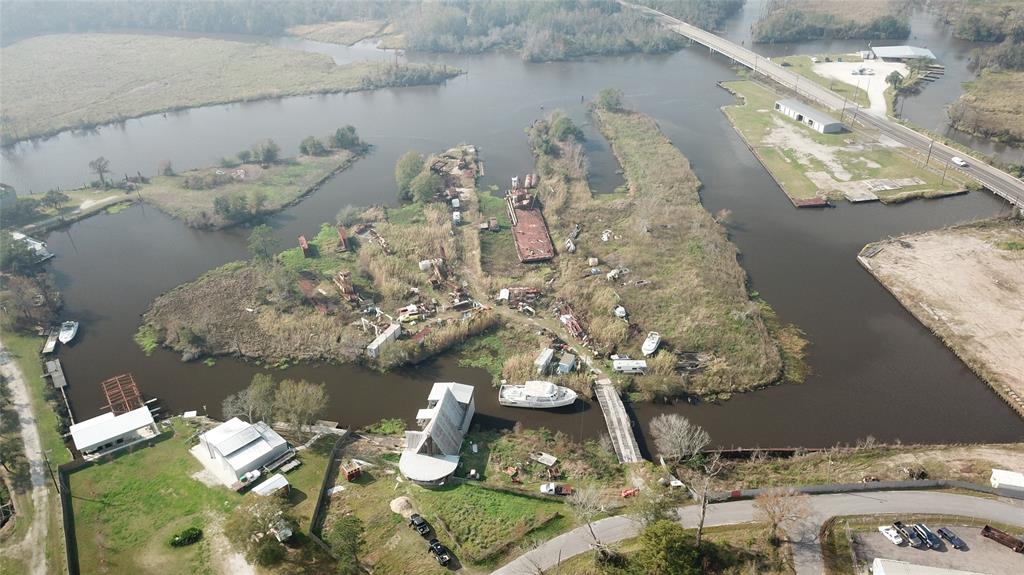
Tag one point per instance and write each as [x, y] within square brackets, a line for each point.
[431, 454]
[390, 334]
[1003, 479]
[109, 432]
[813, 118]
[892, 567]
[902, 52]
[272, 485]
[239, 447]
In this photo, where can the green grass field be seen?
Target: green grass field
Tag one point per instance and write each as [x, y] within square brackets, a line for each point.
[280, 184]
[65, 81]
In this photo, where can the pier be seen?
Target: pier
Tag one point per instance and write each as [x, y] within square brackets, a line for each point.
[620, 426]
[55, 372]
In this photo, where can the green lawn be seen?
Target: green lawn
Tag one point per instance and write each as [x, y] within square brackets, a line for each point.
[127, 509]
[25, 349]
[484, 522]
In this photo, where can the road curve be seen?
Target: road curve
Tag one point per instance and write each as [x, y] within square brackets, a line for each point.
[803, 537]
[1002, 184]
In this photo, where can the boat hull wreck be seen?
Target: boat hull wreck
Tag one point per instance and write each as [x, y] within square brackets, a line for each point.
[536, 395]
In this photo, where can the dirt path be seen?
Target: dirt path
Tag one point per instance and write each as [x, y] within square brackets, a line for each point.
[33, 547]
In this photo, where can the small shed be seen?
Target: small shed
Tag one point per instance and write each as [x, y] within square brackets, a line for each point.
[566, 364]
[543, 361]
[274, 484]
[810, 117]
[1004, 479]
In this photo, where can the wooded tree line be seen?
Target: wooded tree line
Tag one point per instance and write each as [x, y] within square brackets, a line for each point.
[793, 25]
[548, 30]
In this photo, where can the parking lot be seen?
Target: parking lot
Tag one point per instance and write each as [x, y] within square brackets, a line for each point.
[982, 555]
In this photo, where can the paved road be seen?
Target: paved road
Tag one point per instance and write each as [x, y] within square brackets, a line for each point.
[1001, 183]
[32, 547]
[803, 536]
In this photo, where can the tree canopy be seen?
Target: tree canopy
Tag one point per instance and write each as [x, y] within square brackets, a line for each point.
[406, 169]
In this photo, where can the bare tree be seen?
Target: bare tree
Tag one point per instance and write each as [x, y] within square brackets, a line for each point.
[710, 468]
[586, 503]
[676, 438]
[254, 403]
[780, 505]
[101, 166]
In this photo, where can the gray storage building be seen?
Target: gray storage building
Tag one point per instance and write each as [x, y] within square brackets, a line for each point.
[812, 118]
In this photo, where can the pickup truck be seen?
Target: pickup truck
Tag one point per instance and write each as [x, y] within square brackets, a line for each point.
[417, 522]
[555, 489]
[439, 551]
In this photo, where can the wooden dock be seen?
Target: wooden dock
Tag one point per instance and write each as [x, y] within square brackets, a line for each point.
[620, 426]
[56, 373]
[51, 341]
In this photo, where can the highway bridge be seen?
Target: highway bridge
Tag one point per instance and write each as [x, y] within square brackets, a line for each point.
[999, 182]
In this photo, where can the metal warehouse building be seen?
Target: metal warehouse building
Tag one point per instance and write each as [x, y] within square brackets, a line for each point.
[902, 53]
[808, 116]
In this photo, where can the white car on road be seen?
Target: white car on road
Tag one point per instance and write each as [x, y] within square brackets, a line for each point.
[959, 161]
[891, 534]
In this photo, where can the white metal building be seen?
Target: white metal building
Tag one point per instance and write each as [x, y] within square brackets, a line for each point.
[109, 432]
[892, 567]
[902, 53]
[431, 454]
[543, 361]
[810, 117]
[387, 336]
[239, 447]
[1003, 479]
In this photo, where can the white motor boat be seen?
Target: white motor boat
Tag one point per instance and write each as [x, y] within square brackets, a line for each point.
[651, 343]
[68, 331]
[536, 395]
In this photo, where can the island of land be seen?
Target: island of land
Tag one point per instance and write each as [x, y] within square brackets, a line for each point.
[964, 283]
[811, 167]
[62, 81]
[426, 275]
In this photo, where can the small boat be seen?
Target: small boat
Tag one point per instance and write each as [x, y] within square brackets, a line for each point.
[651, 343]
[68, 331]
[536, 394]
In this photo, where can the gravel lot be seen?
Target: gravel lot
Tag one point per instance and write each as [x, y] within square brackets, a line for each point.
[983, 555]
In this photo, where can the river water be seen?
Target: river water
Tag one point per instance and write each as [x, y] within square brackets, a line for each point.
[876, 370]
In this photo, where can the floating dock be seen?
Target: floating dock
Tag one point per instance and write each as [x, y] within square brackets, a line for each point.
[56, 373]
[51, 341]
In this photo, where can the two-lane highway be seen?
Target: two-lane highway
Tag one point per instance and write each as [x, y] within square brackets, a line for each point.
[1002, 184]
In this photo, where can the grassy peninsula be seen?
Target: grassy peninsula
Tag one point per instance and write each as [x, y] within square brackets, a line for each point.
[852, 165]
[346, 32]
[68, 81]
[991, 107]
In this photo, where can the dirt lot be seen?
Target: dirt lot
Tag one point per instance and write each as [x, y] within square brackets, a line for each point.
[874, 85]
[967, 284]
[983, 555]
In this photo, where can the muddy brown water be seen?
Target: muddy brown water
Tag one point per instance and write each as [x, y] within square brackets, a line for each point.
[876, 371]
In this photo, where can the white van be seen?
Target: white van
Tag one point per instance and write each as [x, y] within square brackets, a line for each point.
[959, 161]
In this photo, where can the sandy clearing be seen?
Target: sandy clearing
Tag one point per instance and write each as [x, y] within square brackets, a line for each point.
[967, 289]
[787, 135]
[90, 203]
[874, 85]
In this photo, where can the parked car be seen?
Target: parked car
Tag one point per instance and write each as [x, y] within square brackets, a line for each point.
[929, 537]
[417, 522]
[909, 533]
[891, 534]
[440, 552]
[959, 161]
[947, 534]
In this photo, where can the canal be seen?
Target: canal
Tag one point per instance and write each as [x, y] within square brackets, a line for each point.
[875, 370]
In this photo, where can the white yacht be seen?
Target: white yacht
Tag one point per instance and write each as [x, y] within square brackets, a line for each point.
[536, 394]
[651, 343]
[68, 331]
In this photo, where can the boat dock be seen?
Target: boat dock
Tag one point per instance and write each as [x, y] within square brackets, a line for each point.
[620, 426]
[56, 373]
[51, 341]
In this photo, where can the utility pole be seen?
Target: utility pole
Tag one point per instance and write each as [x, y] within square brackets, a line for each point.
[944, 168]
[927, 159]
[50, 469]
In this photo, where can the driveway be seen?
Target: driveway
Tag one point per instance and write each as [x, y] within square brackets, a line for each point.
[803, 537]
